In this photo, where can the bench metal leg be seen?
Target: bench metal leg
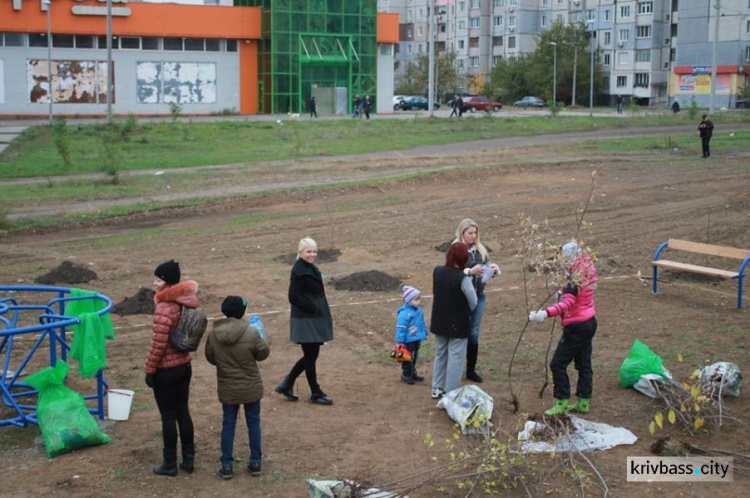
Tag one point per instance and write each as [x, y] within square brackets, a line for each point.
[739, 292]
[655, 274]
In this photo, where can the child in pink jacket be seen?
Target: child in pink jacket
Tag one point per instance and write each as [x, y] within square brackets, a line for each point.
[578, 316]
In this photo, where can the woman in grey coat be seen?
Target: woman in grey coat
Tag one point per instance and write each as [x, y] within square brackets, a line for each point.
[310, 325]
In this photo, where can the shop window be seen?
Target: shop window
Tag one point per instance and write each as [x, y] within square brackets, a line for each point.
[37, 40]
[213, 45]
[172, 43]
[130, 43]
[63, 41]
[194, 44]
[84, 41]
[102, 42]
[13, 39]
[150, 43]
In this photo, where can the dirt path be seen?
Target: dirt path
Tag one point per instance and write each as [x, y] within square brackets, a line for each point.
[252, 185]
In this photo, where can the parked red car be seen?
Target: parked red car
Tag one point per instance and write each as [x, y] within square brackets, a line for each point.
[481, 104]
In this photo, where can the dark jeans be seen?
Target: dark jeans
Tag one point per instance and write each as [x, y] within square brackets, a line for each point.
[307, 364]
[705, 143]
[171, 391]
[575, 345]
[409, 368]
[229, 423]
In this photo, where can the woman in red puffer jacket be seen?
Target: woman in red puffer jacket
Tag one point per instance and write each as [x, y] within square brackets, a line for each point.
[168, 371]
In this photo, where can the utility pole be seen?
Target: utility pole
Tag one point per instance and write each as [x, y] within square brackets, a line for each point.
[714, 56]
[431, 62]
[575, 66]
[109, 61]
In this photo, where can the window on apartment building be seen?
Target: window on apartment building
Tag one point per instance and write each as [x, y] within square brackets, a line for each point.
[606, 15]
[747, 53]
[84, 41]
[645, 7]
[643, 32]
[605, 81]
[512, 21]
[747, 26]
[591, 15]
[474, 42]
[461, 44]
[134, 43]
[419, 48]
[513, 3]
[498, 3]
[511, 42]
[622, 58]
[460, 63]
[496, 59]
[461, 6]
[497, 21]
[673, 30]
[607, 60]
[420, 13]
[409, 49]
[623, 35]
[473, 61]
[672, 54]
[608, 38]
[497, 41]
[643, 55]
[442, 28]
[409, 34]
[544, 21]
[575, 17]
[410, 16]
[474, 22]
[559, 2]
[559, 18]
[622, 81]
[419, 31]
[474, 4]
[545, 3]
[462, 25]
[641, 79]
[625, 11]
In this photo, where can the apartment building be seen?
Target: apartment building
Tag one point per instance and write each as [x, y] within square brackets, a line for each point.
[643, 55]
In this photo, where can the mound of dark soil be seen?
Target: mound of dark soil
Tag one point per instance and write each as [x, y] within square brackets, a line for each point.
[372, 280]
[140, 304]
[324, 256]
[67, 273]
[445, 245]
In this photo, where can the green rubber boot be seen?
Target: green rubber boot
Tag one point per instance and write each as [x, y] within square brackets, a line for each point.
[580, 406]
[559, 408]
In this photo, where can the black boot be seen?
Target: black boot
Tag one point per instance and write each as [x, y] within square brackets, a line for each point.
[286, 389]
[188, 458]
[472, 352]
[320, 398]
[169, 467]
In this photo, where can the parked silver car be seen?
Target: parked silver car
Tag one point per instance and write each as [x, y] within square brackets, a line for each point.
[530, 102]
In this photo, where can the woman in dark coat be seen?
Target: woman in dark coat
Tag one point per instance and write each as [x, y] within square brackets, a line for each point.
[454, 299]
[310, 325]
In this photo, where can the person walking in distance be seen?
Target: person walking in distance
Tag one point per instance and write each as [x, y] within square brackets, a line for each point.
[356, 103]
[310, 325]
[618, 102]
[313, 108]
[168, 371]
[367, 106]
[454, 106]
[234, 348]
[706, 130]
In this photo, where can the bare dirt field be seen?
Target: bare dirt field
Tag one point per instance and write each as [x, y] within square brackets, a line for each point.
[378, 424]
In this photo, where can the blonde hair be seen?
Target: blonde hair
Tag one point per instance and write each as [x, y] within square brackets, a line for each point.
[464, 225]
[306, 242]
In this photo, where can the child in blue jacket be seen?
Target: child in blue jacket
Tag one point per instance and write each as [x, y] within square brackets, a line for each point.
[411, 331]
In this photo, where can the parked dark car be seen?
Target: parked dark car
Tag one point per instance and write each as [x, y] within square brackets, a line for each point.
[411, 103]
[530, 102]
[481, 104]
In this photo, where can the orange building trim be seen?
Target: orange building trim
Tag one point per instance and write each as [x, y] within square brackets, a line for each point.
[387, 28]
[249, 77]
[147, 19]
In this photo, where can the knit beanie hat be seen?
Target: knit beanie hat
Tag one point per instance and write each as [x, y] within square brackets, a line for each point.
[169, 272]
[234, 307]
[571, 251]
[410, 293]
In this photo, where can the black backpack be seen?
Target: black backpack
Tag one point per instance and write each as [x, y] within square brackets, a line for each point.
[186, 337]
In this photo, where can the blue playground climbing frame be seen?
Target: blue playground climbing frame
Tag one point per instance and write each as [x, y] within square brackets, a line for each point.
[49, 333]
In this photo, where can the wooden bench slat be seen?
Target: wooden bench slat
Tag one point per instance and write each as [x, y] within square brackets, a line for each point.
[696, 269]
[711, 250]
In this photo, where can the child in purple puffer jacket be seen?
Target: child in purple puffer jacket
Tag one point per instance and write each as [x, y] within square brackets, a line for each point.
[578, 316]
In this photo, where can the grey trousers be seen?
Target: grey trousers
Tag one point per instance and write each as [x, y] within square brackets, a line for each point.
[448, 366]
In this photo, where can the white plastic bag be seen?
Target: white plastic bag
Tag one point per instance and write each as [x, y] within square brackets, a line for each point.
[466, 405]
[725, 376]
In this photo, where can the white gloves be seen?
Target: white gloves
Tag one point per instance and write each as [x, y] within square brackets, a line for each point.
[538, 316]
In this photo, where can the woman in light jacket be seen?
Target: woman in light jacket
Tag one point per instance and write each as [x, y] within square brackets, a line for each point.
[310, 325]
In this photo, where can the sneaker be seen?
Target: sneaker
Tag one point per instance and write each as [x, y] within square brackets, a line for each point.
[226, 472]
[407, 380]
[254, 469]
[437, 393]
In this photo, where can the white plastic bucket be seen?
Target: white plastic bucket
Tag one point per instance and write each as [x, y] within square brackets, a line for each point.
[119, 402]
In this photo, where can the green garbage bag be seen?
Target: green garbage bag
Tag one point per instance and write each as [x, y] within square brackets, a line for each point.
[63, 418]
[89, 336]
[640, 361]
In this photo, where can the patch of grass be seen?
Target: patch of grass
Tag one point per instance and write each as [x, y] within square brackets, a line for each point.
[139, 407]
[374, 202]
[371, 356]
[679, 144]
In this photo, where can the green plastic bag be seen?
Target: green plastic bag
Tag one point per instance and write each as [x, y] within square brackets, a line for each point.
[640, 361]
[63, 418]
[89, 336]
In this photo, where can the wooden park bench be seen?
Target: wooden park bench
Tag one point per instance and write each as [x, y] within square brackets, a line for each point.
[711, 250]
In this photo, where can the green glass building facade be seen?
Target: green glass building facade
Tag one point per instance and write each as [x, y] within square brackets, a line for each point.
[322, 48]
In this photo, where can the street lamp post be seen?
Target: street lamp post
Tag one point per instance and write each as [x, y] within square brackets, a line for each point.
[48, 4]
[554, 74]
[590, 22]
